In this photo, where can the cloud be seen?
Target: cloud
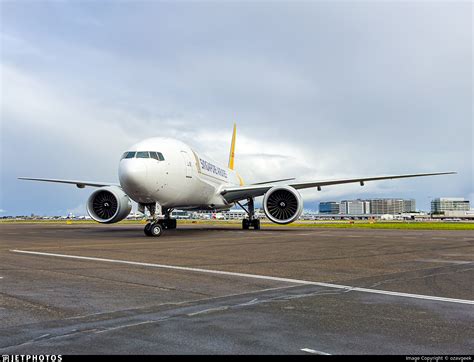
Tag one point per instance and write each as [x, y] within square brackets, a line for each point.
[318, 91]
[18, 46]
[78, 210]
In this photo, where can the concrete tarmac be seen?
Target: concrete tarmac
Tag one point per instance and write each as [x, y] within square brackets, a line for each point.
[87, 289]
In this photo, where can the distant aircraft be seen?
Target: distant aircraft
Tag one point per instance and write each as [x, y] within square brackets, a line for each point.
[162, 174]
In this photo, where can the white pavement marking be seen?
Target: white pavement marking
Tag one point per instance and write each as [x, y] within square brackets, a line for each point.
[210, 310]
[124, 326]
[313, 351]
[255, 276]
[445, 261]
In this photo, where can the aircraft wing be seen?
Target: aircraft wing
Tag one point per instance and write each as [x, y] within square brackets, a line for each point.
[272, 181]
[80, 184]
[232, 194]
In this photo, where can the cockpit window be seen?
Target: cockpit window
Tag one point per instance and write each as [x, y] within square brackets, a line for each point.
[143, 154]
[157, 156]
[129, 155]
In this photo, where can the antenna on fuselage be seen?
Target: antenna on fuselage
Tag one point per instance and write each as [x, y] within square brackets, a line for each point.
[232, 149]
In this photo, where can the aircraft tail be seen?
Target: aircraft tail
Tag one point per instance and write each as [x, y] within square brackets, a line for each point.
[232, 149]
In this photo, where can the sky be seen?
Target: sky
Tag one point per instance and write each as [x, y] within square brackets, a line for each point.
[319, 90]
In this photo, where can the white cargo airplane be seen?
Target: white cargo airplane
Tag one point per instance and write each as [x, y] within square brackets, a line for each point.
[162, 174]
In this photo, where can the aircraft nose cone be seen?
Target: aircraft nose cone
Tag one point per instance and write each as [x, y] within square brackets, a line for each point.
[132, 175]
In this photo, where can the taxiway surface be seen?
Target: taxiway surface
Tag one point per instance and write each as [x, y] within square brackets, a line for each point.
[82, 288]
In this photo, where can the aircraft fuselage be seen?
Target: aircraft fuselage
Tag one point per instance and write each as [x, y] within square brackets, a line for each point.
[178, 178]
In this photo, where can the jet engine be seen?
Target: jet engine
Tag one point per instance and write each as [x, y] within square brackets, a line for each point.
[282, 204]
[108, 205]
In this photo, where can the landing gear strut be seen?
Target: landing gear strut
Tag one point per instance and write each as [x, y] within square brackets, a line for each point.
[168, 222]
[156, 226]
[252, 221]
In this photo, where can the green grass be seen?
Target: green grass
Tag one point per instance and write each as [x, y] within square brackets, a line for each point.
[419, 225]
[345, 224]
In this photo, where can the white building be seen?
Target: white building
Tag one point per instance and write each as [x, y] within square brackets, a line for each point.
[442, 204]
[354, 207]
[180, 214]
[234, 214]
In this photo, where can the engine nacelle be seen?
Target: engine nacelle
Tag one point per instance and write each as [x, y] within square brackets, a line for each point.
[282, 204]
[108, 205]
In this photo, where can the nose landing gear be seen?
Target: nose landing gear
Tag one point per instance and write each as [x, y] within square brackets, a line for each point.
[156, 226]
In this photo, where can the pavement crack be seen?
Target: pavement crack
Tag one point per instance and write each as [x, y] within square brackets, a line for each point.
[404, 279]
[156, 287]
[36, 339]
[19, 302]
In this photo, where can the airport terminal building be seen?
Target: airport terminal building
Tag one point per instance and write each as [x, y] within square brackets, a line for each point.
[356, 207]
[371, 206]
[442, 204]
[329, 207]
[392, 206]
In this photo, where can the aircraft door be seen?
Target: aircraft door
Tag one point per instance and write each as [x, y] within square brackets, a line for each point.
[188, 163]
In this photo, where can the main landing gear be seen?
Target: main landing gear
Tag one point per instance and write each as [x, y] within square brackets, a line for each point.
[247, 224]
[156, 226]
[153, 229]
[252, 221]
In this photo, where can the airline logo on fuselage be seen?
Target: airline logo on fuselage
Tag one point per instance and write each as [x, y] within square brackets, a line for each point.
[209, 167]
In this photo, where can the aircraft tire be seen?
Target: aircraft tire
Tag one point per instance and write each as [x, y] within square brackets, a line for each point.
[173, 223]
[147, 229]
[169, 223]
[256, 224]
[245, 224]
[156, 230]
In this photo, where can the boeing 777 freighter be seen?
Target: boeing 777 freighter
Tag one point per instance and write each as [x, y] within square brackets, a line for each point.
[162, 174]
